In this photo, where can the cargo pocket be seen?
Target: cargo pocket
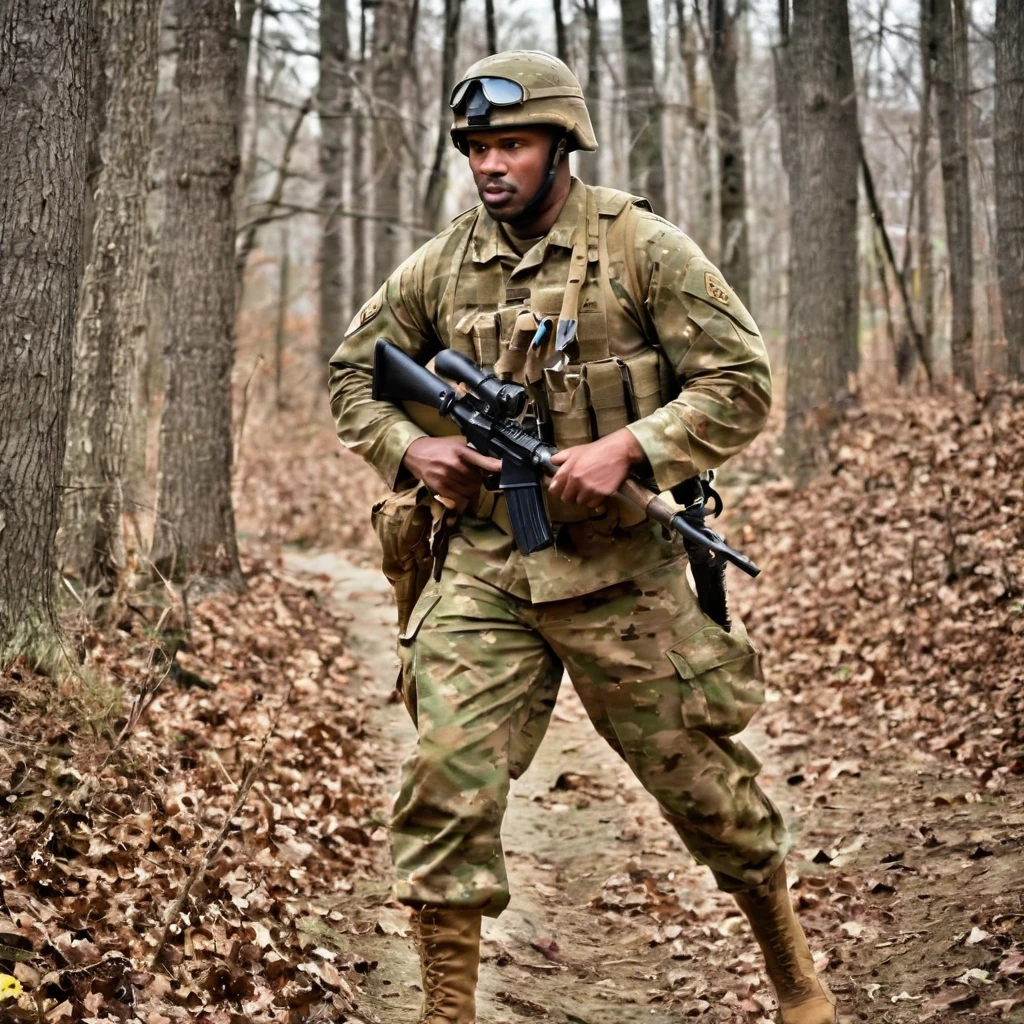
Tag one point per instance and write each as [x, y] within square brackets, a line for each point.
[721, 681]
[402, 523]
[406, 682]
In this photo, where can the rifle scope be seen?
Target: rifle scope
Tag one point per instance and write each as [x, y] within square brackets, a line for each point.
[505, 398]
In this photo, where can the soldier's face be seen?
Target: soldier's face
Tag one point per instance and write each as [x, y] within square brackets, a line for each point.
[509, 166]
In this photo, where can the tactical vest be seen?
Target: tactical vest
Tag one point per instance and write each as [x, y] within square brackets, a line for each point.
[614, 372]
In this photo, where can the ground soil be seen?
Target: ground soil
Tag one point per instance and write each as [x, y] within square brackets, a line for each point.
[909, 876]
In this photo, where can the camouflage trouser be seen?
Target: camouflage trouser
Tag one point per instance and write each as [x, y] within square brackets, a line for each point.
[662, 683]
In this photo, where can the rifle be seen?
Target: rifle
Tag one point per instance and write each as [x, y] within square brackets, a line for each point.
[487, 413]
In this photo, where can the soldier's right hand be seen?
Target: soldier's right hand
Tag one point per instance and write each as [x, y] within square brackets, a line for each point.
[448, 466]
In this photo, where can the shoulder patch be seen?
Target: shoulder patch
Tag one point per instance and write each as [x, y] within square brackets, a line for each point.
[702, 280]
[715, 288]
[370, 309]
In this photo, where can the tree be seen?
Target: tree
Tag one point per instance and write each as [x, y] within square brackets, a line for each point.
[818, 118]
[734, 245]
[922, 168]
[388, 134]
[696, 107]
[1009, 176]
[948, 48]
[449, 55]
[643, 105]
[333, 105]
[590, 164]
[492, 26]
[111, 313]
[43, 113]
[195, 528]
[561, 36]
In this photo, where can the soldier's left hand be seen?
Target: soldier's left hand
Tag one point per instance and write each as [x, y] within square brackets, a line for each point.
[590, 473]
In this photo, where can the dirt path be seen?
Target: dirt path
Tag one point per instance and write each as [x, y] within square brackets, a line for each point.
[910, 879]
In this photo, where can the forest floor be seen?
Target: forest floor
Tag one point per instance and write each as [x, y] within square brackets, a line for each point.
[193, 820]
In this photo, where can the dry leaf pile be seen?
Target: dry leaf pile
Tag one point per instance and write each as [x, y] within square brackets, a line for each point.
[188, 873]
[891, 604]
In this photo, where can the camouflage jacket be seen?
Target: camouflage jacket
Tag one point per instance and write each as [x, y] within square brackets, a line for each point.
[647, 287]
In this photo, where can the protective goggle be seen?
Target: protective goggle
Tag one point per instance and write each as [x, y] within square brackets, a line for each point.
[499, 92]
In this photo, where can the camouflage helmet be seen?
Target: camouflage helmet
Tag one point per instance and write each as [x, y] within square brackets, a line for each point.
[521, 88]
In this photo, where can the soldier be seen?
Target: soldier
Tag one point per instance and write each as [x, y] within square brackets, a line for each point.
[662, 373]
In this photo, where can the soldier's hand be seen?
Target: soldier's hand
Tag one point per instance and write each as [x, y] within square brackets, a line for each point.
[589, 473]
[448, 466]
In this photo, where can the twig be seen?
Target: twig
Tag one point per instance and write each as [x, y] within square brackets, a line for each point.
[244, 411]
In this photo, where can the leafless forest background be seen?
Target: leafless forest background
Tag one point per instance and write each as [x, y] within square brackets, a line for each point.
[195, 198]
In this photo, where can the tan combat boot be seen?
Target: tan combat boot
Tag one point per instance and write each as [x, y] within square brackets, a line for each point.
[803, 999]
[449, 944]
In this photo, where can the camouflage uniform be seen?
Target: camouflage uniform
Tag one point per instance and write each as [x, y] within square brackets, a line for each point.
[484, 648]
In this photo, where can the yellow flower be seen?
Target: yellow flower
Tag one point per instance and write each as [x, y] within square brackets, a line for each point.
[10, 988]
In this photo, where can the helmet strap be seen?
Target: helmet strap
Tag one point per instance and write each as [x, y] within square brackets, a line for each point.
[559, 149]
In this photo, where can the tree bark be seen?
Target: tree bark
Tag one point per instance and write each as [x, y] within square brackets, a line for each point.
[388, 55]
[43, 118]
[561, 37]
[643, 105]
[492, 26]
[926, 273]
[281, 321]
[818, 113]
[699, 226]
[195, 529]
[1009, 153]
[360, 201]
[948, 46]
[112, 303]
[246, 15]
[434, 196]
[734, 243]
[590, 163]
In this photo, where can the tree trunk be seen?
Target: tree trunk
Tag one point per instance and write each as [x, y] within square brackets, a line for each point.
[561, 38]
[492, 26]
[1009, 151]
[195, 529]
[926, 273]
[734, 244]
[698, 226]
[281, 321]
[388, 132]
[590, 164]
[246, 15]
[818, 112]
[43, 69]
[643, 105]
[949, 53]
[360, 201]
[434, 197]
[111, 312]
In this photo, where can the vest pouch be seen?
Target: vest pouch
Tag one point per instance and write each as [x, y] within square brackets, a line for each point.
[476, 335]
[651, 381]
[568, 408]
[609, 395]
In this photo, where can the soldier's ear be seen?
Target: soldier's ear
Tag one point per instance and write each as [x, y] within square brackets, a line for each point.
[561, 148]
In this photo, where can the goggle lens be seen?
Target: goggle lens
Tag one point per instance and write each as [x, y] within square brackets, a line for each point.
[499, 92]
